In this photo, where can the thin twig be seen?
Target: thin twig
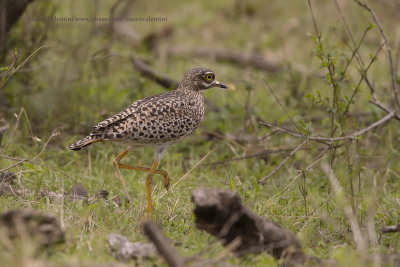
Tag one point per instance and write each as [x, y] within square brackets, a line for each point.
[282, 106]
[260, 154]
[383, 107]
[363, 75]
[13, 165]
[392, 70]
[280, 129]
[330, 68]
[261, 181]
[318, 158]
[314, 22]
[356, 47]
[354, 135]
[357, 134]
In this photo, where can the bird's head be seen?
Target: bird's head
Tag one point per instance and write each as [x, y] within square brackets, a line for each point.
[199, 79]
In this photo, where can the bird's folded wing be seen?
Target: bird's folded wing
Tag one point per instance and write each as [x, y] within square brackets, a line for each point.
[117, 117]
[150, 100]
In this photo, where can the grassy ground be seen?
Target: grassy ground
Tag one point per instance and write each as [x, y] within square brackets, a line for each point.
[75, 83]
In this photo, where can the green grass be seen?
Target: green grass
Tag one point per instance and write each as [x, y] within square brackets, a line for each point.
[67, 87]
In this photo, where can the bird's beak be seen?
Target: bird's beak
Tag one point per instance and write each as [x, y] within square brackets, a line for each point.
[220, 85]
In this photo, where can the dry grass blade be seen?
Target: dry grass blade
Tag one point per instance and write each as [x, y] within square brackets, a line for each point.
[187, 173]
[361, 245]
[318, 159]
[54, 133]
[34, 138]
[22, 64]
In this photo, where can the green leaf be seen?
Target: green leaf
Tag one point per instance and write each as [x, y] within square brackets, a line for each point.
[371, 26]
[256, 185]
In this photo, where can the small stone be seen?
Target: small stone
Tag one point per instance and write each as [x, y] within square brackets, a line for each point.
[123, 249]
[28, 223]
[77, 193]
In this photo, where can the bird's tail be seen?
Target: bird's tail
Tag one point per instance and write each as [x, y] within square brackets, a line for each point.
[88, 140]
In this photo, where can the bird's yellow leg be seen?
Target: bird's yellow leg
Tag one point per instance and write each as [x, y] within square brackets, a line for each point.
[149, 177]
[117, 163]
[148, 184]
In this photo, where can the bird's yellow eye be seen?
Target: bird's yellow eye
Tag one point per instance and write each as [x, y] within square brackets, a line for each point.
[209, 77]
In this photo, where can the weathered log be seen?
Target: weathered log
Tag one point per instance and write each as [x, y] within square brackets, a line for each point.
[221, 213]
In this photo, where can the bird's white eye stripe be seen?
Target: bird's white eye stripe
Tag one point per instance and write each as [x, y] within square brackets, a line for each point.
[210, 73]
[205, 85]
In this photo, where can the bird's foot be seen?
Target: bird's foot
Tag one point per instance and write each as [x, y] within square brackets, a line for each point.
[167, 181]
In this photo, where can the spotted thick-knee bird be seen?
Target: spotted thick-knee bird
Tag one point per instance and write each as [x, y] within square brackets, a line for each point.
[160, 121]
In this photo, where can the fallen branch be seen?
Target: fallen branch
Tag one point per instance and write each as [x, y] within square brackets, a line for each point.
[148, 72]
[233, 56]
[221, 213]
[390, 229]
[154, 233]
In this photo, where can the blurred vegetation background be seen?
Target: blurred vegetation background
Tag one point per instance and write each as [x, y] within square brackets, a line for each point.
[71, 75]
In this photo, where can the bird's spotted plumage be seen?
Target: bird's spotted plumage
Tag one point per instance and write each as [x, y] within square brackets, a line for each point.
[159, 120]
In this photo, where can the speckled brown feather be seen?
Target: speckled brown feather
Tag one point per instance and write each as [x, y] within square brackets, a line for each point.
[155, 120]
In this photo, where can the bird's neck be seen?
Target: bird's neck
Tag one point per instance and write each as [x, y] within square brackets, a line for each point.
[187, 90]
